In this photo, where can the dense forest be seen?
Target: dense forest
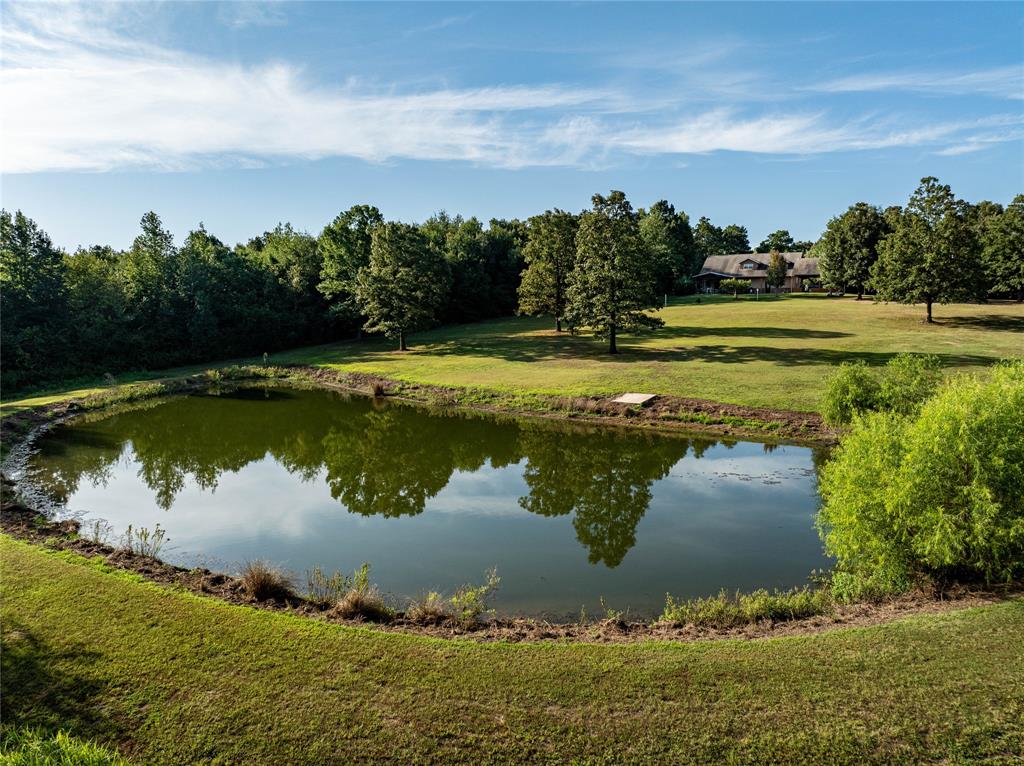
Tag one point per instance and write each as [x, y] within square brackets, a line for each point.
[158, 304]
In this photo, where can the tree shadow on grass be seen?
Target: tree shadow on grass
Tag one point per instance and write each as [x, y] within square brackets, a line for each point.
[579, 348]
[787, 357]
[999, 322]
[46, 687]
[747, 332]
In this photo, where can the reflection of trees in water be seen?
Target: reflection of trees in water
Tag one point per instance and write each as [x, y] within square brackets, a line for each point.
[605, 478]
[390, 462]
[378, 460]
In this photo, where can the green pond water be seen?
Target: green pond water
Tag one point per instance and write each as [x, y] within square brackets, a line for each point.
[567, 514]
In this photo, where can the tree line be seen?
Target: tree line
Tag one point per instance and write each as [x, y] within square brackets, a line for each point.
[158, 304]
[935, 249]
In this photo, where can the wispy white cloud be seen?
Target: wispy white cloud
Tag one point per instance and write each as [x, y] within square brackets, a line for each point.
[436, 26]
[83, 90]
[242, 13]
[1004, 82]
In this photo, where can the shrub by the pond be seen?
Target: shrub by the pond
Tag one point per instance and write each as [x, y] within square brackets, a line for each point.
[854, 389]
[32, 747]
[734, 610]
[262, 581]
[907, 381]
[939, 494]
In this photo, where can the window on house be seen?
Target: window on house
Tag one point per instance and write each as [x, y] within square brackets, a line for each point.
[748, 265]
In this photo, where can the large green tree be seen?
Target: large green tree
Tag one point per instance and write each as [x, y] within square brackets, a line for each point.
[344, 248]
[849, 247]
[550, 256]
[404, 284]
[932, 255]
[1002, 239]
[613, 285]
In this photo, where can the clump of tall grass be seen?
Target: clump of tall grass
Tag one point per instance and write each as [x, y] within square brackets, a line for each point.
[143, 541]
[734, 610]
[361, 600]
[31, 747]
[431, 609]
[263, 582]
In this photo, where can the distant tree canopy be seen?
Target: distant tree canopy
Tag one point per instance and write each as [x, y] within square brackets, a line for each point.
[344, 248]
[1002, 255]
[613, 283]
[849, 247]
[35, 297]
[157, 304]
[669, 241]
[712, 240]
[780, 241]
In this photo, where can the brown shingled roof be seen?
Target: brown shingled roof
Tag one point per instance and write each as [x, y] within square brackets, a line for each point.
[729, 265]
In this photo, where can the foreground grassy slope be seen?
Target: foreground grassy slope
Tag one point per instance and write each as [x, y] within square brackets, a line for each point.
[172, 678]
[770, 352]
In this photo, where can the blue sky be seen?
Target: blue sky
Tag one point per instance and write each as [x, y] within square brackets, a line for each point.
[243, 115]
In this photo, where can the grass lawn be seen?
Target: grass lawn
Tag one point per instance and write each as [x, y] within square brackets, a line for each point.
[772, 352]
[171, 678]
[769, 353]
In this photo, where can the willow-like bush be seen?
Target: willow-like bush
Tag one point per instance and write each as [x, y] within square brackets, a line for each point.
[854, 389]
[939, 493]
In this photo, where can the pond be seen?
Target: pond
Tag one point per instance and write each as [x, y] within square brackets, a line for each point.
[568, 514]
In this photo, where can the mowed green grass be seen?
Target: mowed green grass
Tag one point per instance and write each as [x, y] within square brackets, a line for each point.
[171, 678]
[769, 352]
[772, 352]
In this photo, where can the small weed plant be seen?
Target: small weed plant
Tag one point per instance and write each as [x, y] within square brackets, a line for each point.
[470, 601]
[143, 541]
[98, 531]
